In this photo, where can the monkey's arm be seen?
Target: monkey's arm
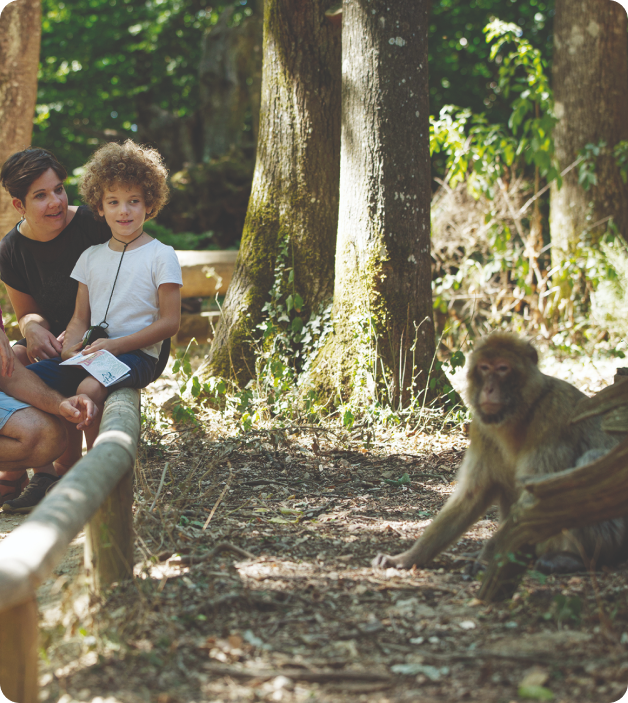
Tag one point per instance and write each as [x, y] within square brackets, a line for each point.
[473, 495]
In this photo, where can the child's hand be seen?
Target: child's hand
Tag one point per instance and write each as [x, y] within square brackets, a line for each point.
[110, 345]
[69, 352]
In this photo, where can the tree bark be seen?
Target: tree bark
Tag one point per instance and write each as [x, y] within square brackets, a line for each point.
[383, 266]
[295, 185]
[20, 35]
[230, 82]
[590, 83]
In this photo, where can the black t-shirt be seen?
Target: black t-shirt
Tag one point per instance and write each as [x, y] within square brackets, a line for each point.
[42, 269]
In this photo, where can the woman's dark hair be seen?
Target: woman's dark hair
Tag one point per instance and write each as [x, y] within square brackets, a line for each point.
[22, 168]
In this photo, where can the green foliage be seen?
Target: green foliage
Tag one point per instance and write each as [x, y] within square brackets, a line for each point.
[565, 608]
[290, 340]
[460, 71]
[523, 73]
[101, 58]
[535, 693]
[212, 197]
[104, 62]
[479, 152]
[179, 240]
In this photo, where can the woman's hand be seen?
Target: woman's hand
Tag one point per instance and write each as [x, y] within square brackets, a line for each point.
[6, 356]
[110, 345]
[40, 343]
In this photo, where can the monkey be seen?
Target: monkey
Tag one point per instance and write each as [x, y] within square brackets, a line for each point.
[520, 427]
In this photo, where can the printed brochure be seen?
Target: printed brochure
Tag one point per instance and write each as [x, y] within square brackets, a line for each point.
[102, 365]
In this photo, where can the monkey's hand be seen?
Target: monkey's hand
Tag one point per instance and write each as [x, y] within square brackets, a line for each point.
[400, 561]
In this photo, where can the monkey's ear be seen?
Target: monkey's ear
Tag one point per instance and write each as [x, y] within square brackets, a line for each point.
[532, 353]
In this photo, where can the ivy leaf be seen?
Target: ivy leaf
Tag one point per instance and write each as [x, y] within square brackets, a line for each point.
[298, 302]
[289, 303]
[403, 480]
[291, 276]
[297, 325]
[535, 693]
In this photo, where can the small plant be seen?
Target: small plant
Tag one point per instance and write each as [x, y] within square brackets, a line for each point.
[565, 608]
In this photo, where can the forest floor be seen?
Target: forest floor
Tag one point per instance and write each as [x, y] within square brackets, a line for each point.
[253, 583]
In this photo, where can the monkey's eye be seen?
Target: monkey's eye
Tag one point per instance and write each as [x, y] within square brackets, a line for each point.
[502, 368]
[484, 368]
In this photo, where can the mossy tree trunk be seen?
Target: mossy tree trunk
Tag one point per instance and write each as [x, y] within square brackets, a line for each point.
[295, 185]
[590, 83]
[382, 289]
[20, 36]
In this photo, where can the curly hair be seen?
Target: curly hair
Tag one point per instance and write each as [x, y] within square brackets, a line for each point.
[127, 164]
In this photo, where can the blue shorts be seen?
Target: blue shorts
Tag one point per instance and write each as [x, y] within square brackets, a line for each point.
[8, 406]
[66, 379]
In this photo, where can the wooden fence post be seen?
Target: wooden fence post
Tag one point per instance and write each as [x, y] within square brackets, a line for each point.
[29, 554]
[109, 536]
[19, 638]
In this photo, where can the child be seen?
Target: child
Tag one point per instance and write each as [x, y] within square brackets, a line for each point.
[130, 285]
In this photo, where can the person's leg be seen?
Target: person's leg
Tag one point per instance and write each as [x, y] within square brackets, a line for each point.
[98, 393]
[141, 373]
[20, 354]
[30, 438]
[74, 449]
[65, 380]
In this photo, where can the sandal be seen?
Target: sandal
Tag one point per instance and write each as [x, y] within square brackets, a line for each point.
[19, 484]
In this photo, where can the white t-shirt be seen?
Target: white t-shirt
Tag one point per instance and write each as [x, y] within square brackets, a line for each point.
[135, 302]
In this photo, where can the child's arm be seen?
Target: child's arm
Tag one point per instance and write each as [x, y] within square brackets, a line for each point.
[166, 326]
[78, 324]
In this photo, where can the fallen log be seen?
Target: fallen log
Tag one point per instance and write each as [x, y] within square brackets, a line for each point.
[549, 504]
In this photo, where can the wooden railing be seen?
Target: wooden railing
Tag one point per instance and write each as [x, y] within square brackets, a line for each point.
[97, 493]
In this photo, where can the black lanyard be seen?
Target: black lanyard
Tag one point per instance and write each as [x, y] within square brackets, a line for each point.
[104, 322]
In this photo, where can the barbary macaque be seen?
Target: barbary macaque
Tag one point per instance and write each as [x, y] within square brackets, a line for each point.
[520, 428]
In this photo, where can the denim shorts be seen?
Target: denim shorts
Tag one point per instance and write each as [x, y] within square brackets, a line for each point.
[8, 406]
[66, 379]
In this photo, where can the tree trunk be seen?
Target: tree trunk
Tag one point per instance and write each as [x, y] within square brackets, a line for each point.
[295, 185]
[230, 81]
[20, 34]
[382, 311]
[590, 83]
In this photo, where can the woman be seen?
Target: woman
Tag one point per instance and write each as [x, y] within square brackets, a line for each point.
[38, 254]
[37, 257]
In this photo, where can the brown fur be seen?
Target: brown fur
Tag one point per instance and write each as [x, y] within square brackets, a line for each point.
[520, 428]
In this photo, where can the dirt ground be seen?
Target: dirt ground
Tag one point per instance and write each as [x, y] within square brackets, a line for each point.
[253, 583]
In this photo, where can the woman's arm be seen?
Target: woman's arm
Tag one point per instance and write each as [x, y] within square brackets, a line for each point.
[78, 324]
[166, 326]
[40, 342]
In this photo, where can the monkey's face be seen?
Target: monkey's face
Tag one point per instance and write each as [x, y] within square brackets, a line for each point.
[492, 382]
